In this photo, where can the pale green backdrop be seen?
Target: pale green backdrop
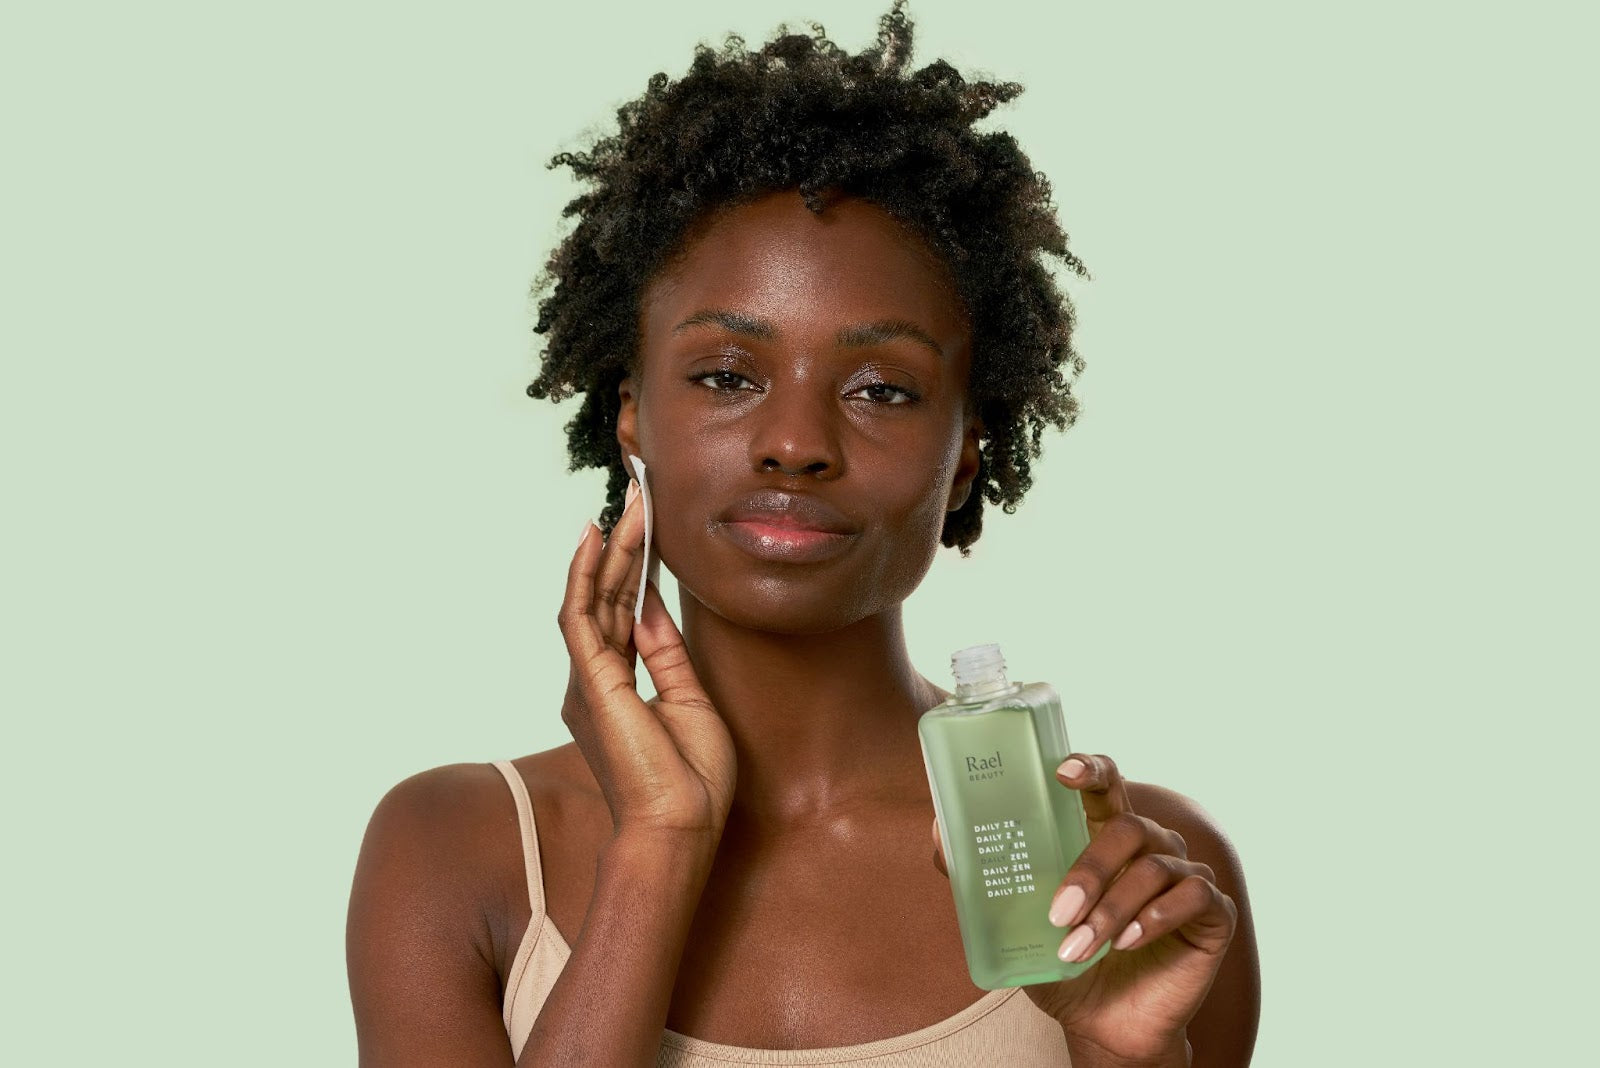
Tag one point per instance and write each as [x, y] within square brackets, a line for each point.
[283, 528]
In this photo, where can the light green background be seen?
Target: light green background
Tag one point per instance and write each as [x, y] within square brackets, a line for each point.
[283, 529]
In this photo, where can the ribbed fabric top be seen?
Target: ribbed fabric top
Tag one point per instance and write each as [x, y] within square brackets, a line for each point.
[1002, 1027]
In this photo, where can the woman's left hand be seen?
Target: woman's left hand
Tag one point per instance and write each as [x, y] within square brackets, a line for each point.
[1168, 923]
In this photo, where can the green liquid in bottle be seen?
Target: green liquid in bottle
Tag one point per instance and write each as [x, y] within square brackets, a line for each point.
[1010, 829]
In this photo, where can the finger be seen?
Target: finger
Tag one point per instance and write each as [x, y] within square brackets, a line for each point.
[586, 641]
[1122, 838]
[1098, 782]
[1145, 879]
[597, 670]
[938, 850]
[665, 655]
[578, 598]
[617, 562]
[681, 705]
[618, 576]
[1195, 909]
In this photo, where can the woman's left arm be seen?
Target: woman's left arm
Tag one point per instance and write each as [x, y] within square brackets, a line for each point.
[1162, 883]
[1223, 1031]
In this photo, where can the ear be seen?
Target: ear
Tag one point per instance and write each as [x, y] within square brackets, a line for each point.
[628, 422]
[967, 466]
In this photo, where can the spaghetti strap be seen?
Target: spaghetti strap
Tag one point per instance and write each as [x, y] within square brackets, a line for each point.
[1001, 1027]
[530, 840]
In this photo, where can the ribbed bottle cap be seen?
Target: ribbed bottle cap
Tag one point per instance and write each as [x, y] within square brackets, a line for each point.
[976, 663]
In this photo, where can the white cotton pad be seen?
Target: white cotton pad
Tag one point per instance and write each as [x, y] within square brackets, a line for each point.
[652, 564]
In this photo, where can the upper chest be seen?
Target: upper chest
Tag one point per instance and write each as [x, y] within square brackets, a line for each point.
[823, 944]
[831, 935]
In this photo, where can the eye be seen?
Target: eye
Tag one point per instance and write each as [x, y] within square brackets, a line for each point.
[884, 393]
[722, 380]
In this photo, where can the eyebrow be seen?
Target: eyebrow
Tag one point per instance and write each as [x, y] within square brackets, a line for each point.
[730, 321]
[857, 335]
[876, 333]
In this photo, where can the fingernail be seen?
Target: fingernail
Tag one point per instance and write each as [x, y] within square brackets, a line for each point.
[1072, 769]
[588, 524]
[633, 491]
[1130, 934]
[1064, 910]
[1076, 944]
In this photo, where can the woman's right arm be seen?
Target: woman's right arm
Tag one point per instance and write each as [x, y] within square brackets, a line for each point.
[422, 979]
[666, 768]
[421, 969]
[610, 1004]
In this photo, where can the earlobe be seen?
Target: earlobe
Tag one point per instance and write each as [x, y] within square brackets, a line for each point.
[967, 467]
[628, 421]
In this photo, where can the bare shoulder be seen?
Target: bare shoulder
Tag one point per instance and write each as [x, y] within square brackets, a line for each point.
[574, 823]
[436, 904]
[1223, 1031]
[430, 834]
[1205, 840]
[438, 796]
[460, 812]
[560, 775]
[419, 950]
[1186, 816]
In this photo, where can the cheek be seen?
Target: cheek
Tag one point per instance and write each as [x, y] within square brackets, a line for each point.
[668, 509]
[689, 463]
[681, 502]
[681, 455]
[912, 521]
[929, 494]
[685, 441]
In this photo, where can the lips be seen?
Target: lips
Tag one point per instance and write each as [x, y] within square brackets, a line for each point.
[790, 511]
[790, 527]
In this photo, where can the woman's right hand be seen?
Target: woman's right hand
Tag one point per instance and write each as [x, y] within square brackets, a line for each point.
[666, 766]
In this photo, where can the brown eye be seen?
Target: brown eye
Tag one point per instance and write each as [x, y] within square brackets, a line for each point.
[722, 381]
[884, 393]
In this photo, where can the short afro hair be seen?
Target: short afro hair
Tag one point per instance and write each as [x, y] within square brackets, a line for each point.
[802, 114]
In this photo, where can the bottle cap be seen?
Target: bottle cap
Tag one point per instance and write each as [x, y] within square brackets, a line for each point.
[977, 663]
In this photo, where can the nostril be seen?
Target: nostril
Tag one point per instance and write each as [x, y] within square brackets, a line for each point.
[816, 467]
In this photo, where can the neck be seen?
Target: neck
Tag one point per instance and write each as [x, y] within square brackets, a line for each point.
[823, 725]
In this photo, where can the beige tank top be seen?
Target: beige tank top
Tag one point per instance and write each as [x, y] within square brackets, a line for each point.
[1003, 1027]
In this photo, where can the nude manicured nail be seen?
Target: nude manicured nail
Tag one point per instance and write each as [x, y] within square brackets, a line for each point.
[1071, 769]
[588, 524]
[1129, 936]
[633, 491]
[1076, 943]
[1066, 905]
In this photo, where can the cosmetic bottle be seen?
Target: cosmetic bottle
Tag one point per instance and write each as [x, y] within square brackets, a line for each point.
[1010, 829]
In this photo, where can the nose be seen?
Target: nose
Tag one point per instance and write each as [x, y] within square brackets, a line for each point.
[795, 432]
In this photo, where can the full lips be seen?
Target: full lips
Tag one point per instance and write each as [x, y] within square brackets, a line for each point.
[766, 541]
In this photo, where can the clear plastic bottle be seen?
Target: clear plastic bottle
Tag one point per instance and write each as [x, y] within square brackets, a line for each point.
[1010, 829]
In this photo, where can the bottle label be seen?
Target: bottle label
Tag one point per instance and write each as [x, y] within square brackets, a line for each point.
[984, 768]
[1004, 858]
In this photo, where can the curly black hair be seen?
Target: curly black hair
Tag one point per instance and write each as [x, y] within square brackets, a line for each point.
[803, 114]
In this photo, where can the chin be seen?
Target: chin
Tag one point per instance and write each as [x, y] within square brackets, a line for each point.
[796, 599]
[791, 607]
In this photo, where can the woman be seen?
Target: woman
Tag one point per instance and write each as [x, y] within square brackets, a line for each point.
[809, 296]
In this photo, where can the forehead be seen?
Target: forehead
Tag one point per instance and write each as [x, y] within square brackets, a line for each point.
[775, 259]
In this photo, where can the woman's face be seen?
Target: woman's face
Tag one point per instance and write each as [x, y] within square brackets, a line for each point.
[801, 403]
